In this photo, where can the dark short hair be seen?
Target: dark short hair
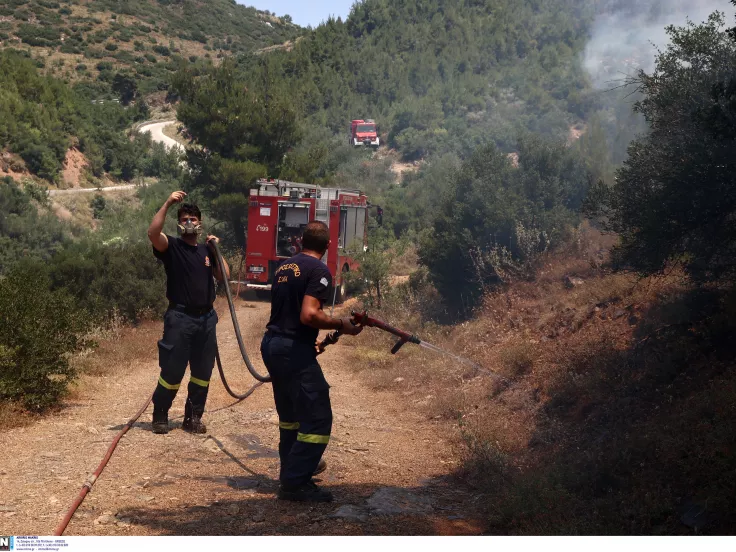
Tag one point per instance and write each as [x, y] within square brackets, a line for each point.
[189, 209]
[316, 236]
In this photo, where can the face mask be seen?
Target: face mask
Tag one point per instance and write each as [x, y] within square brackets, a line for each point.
[189, 228]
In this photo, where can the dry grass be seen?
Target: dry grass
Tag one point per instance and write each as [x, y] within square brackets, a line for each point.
[117, 348]
[406, 263]
[13, 415]
[75, 208]
[614, 415]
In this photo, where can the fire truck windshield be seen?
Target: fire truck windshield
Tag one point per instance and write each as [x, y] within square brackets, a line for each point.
[366, 128]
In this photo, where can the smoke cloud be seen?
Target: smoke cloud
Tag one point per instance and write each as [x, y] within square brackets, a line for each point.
[624, 36]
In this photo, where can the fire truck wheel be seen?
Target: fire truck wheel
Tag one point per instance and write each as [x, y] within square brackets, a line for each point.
[342, 287]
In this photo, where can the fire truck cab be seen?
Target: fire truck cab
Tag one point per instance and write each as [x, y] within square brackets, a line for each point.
[277, 215]
[364, 133]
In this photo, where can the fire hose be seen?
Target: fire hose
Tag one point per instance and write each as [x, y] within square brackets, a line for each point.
[236, 326]
[362, 319]
[87, 487]
[358, 318]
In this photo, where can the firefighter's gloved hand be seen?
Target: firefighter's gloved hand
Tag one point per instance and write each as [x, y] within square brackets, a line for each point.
[349, 327]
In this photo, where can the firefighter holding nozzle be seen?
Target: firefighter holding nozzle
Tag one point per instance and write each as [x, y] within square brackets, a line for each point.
[300, 288]
[190, 321]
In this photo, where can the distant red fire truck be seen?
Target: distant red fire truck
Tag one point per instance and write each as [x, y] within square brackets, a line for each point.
[277, 215]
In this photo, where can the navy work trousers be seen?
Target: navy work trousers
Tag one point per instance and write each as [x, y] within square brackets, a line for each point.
[187, 340]
[302, 398]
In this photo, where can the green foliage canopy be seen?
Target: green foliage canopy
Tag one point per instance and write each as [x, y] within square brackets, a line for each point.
[675, 195]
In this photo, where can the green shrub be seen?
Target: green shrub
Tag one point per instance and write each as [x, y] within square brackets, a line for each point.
[98, 205]
[38, 330]
[162, 163]
[111, 276]
[37, 192]
[71, 48]
[24, 232]
[125, 56]
[199, 36]
[111, 47]
[125, 35]
[94, 53]
[494, 220]
[37, 35]
[39, 158]
[22, 14]
[105, 76]
[673, 195]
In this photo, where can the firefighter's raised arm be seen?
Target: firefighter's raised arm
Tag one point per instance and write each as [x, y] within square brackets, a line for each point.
[155, 230]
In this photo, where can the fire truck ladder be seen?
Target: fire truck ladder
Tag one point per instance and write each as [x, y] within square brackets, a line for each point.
[322, 211]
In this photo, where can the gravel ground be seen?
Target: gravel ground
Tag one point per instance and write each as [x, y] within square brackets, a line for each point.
[388, 466]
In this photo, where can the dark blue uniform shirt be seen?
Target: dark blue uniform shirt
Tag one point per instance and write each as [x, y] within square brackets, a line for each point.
[294, 278]
[189, 277]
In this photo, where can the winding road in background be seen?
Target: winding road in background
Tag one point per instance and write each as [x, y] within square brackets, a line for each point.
[73, 191]
[157, 135]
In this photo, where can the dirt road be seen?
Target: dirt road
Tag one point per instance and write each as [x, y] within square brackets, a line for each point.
[157, 133]
[388, 465]
[72, 191]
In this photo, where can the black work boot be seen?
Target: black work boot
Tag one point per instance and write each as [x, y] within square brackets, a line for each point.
[322, 466]
[306, 492]
[194, 425]
[160, 422]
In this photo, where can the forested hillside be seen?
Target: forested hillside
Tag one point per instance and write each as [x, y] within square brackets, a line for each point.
[83, 39]
[443, 75]
[41, 118]
[442, 78]
[60, 58]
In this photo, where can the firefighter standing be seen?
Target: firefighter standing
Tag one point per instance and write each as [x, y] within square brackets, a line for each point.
[300, 288]
[190, 321]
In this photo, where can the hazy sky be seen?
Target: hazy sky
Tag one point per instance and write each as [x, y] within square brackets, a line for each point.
[304, 12]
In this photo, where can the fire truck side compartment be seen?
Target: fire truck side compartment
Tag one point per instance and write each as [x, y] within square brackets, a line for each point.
[278, 212]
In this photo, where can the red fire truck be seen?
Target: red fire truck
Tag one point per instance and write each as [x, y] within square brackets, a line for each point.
[277, 215]
[364, 133]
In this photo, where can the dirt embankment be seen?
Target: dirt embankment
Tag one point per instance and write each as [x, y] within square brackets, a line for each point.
[75, 164]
